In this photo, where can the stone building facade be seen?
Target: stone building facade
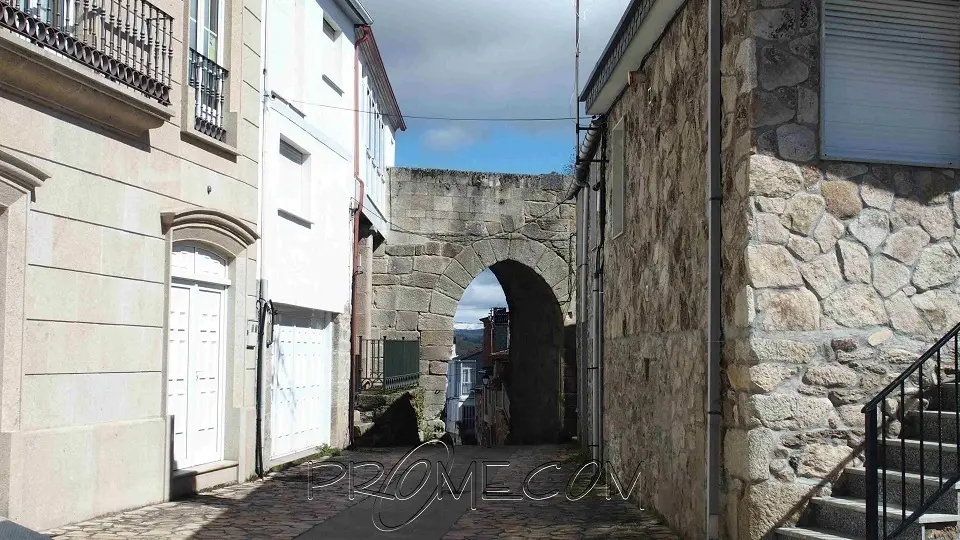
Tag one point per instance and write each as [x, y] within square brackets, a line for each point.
[447, 227]
[121, 198]
[836, 274]
[852, 274]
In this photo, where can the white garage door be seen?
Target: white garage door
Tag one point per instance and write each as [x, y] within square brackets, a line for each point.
[302, 366]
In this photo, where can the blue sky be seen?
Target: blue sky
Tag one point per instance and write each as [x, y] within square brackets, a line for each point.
[488, 59]
[502, 149]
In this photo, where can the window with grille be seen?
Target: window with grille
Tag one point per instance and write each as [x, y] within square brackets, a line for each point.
[891, 81]
[617, 175]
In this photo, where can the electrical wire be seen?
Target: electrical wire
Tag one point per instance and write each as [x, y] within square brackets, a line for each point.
[444, 118]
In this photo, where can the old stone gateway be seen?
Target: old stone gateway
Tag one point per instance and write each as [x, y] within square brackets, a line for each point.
[448, 226]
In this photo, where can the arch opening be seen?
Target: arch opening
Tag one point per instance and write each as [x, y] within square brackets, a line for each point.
[509, 377]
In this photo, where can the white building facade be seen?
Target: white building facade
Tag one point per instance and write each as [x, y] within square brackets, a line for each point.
[324, 136]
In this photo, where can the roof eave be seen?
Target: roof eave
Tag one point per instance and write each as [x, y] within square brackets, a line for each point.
[654, 19]
[380, 74]
[355, 11]
[608, 50]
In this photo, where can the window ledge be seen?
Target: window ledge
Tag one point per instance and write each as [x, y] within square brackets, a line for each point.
[53, 80]
[953, 166]
[188, 132]
[335, 86]
[296, 218]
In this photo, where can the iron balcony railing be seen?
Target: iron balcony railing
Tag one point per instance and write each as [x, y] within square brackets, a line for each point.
[128, 41]
[388, 364]
[904, 403]
[207, 80]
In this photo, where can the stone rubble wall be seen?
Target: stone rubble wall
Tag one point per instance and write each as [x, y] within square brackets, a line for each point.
[852, 271]
[656, 275]
[448, 226]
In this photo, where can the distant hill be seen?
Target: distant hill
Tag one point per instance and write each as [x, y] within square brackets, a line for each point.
[468, 340]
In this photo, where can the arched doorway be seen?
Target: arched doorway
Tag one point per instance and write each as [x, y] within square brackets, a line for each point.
[504, 384]
[536, 357]
[197, 354]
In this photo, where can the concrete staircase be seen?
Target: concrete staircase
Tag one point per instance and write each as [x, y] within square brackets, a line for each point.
[842, 516]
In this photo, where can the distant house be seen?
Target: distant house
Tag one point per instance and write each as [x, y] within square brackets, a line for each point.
[461, 405]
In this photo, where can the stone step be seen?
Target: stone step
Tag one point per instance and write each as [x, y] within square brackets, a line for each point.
[362, 428]
[807, 533]
[367, 401]
[935, 425]
[944, 398]
[899, 487]
[904, 454]
[848, 516]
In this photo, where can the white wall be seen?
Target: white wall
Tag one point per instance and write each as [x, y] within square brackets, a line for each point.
[307, 260]
[307, 247]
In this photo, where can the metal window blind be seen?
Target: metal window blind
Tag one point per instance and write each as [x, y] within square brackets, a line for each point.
[288, 151]
[891, 85]
[329, 30]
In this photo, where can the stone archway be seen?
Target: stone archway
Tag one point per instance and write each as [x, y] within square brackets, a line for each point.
[516, 225]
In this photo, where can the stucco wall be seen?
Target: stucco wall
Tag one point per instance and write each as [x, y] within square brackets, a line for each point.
[307, 242]
[853, 273]
[82, 414]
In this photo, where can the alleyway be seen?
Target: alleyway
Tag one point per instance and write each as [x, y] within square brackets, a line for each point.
[278, 507]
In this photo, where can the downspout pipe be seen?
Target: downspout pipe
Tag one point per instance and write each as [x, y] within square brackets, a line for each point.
[715, 286]
[354, 345]
[597, 411]
[588, 148]
[262, 297]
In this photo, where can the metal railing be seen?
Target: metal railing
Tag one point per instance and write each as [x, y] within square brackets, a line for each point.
[388, 364]
[128, 41]
[207, 80]
[907, 395]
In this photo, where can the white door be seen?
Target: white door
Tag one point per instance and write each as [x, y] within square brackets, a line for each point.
[196, 355]
[302, 365]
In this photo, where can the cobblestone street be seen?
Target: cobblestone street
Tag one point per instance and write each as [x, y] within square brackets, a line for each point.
[278, 506]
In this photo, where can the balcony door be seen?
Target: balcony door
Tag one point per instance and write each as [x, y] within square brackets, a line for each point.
[196, 355]
[206, 28]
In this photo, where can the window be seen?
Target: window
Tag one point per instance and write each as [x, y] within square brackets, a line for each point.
[205, 31]
[466, 379]
[333, 53]
[891, 81]
[329, 30]
[293, 186]
[616, 191]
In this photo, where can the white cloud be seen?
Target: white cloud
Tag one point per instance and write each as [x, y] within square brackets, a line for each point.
[484, 293]
[495, 58]
[449, 138]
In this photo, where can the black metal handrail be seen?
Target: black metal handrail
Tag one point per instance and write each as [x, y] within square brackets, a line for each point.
[128, 41]
[207, 78]
[388, 364]
[876, 436]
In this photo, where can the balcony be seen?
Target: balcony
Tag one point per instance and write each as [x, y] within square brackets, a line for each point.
[207, 79]
[127, 41]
